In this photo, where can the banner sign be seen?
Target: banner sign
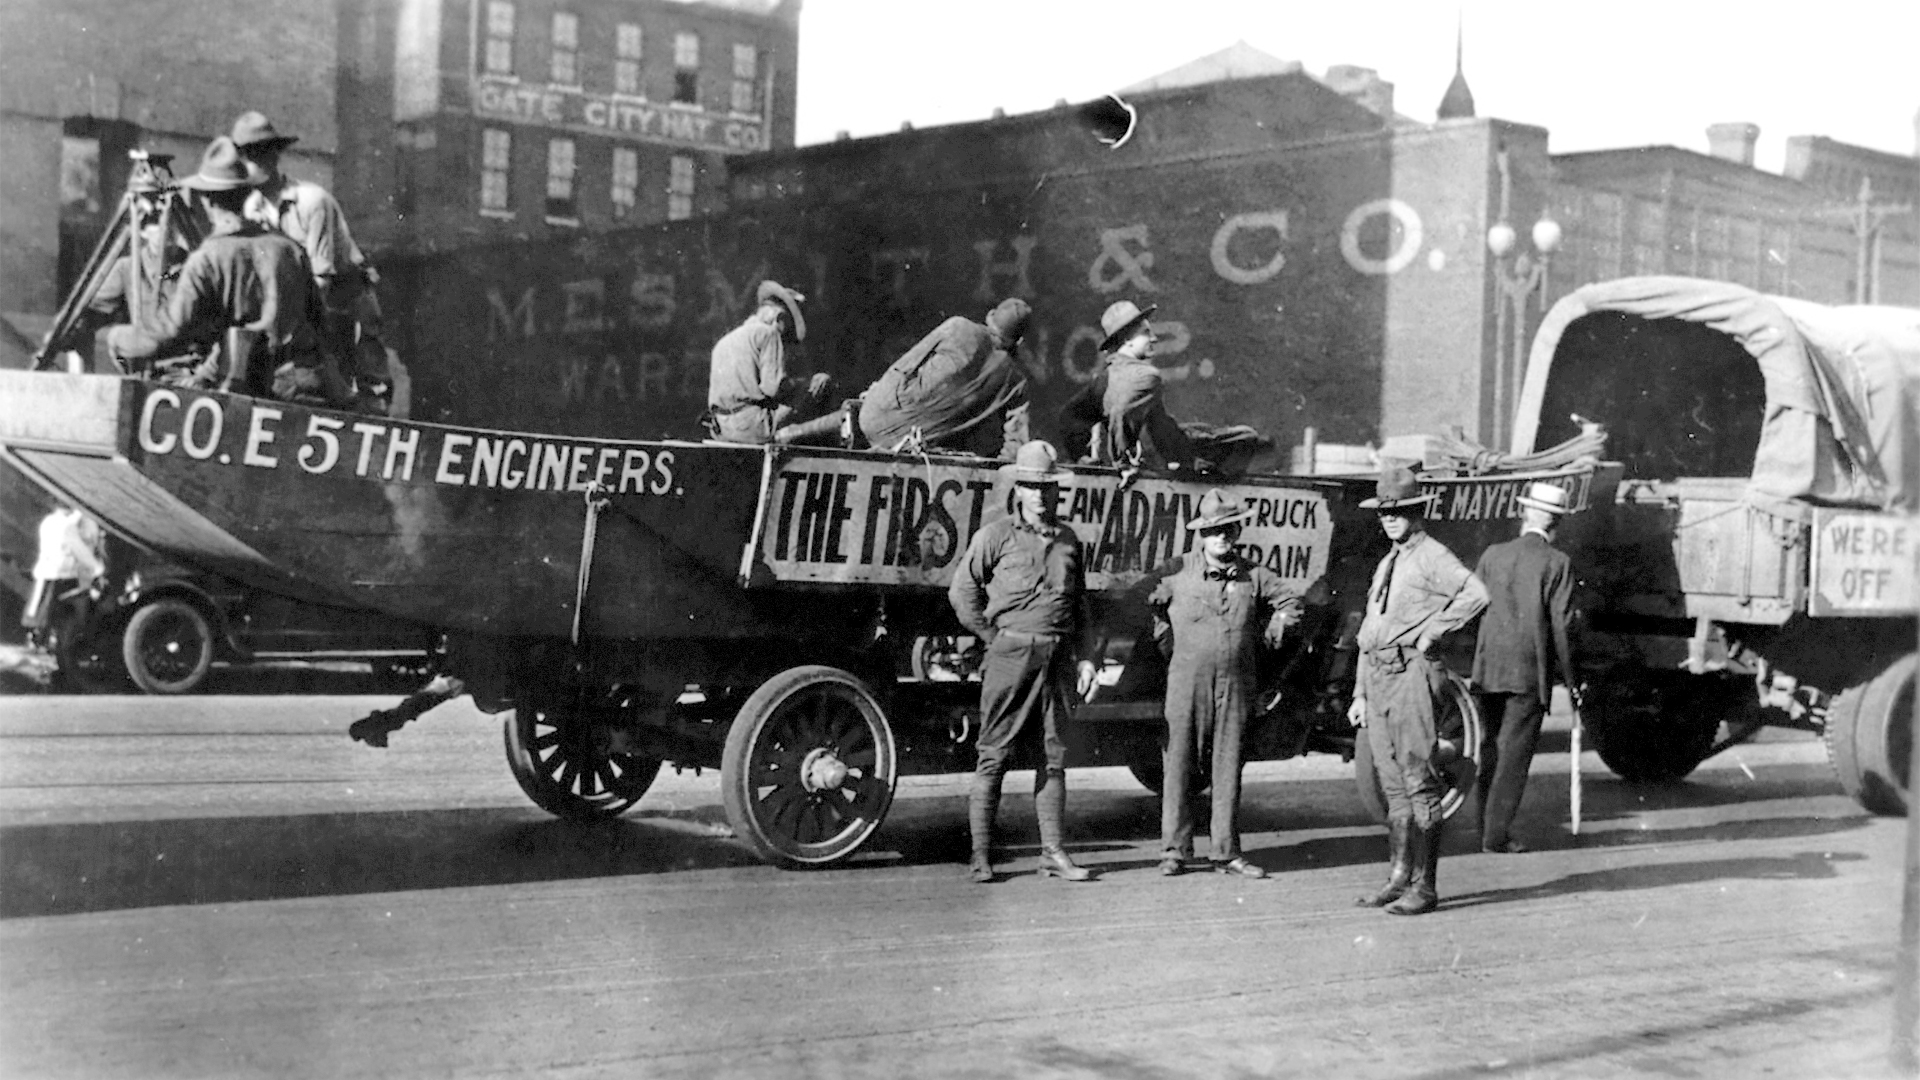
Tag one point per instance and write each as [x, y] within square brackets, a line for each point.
[600, 114]
[908, 522]
[1491, 498]
[1864, 564]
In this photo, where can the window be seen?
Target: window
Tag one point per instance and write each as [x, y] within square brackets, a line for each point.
[566, 49]
[560, 203]
[626, 59]
[686, 69]
[499, 37]
[746, 74]
[626, 181]
[496, 159]
[680, 189]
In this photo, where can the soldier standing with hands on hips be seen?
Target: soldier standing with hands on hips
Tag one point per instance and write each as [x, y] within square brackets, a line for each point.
[1216, 608]
[1523, 643]
[1420, 593]
[1021, 590]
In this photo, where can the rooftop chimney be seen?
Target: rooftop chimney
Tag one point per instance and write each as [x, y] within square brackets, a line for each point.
[1733, 142]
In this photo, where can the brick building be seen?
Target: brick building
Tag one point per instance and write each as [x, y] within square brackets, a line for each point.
[477, 121]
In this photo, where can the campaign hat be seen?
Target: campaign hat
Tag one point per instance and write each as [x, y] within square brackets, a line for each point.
[787, 298]
[1398, 488]
[1552, 498]
[253, 129]
[1216, 510]
[1036, 462]
[1119, 320]
[224, 168]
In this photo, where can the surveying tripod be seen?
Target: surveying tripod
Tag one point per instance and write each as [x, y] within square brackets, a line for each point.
[151, 195]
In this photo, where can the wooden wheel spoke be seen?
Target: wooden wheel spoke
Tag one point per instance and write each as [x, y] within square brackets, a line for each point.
[863, 795]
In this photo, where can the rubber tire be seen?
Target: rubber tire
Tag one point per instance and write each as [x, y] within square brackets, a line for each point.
[1662, 743]
[1462, 774]
[1868, 734]
[748, 733]
[198, 641]
[568, 798]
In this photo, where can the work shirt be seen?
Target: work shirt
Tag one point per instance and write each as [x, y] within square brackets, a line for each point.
[1021, 578]
[247, 278]
[70, 544]
[1217, 618]
[745, 380]
[959, 387]
[1139, 431]
[312, 218]
[1419, 591]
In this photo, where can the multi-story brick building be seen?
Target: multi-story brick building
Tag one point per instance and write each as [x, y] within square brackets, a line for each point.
[476, 121]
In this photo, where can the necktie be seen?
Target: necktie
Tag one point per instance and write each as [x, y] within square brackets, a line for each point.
[1386, 579]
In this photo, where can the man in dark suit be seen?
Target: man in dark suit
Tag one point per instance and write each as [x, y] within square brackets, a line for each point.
[1522, 646]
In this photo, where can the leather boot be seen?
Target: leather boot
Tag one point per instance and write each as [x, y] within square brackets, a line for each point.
[1050, 806]
[820, 431]
[1423, 892]
[1399, 866]
[983, 805]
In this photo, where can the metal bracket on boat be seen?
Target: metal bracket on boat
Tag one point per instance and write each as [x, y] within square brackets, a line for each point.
[598, 498]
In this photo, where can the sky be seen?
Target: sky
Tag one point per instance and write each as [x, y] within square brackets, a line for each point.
[1597, 76]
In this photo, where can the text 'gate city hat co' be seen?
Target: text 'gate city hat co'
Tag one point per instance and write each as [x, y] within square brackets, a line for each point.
[254, 131]
[222, 168]
[1217, 511]
[1552, 498]
[1397, 489]
[773, 290]
[1036, 462]
[1119, 321]
[1009, 319]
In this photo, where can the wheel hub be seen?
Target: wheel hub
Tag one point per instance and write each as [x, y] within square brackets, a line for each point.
[822, 771]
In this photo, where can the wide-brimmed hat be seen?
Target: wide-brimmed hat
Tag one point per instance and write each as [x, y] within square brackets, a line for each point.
[773, 290]
[254, 131]
[223, 168]
[1036, 463]
[1216, 510]
[1552, 498]
[1119, 320]
[1397, 489]
[1009, 318]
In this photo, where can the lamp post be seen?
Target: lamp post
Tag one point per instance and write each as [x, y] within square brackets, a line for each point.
[1515, 279]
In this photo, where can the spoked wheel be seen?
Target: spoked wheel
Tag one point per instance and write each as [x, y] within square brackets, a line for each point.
[809, 767]
[1457, 757]
[167, 647]
[565, 762]
[946, 658]
[1660, 726]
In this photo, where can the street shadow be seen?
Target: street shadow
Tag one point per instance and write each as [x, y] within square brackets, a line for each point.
[1801, 866]
[74, 868]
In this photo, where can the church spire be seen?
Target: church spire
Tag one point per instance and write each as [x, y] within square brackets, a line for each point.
[1458, 102]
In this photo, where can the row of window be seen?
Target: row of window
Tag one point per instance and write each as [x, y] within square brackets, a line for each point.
[562, 205]
[563, 64]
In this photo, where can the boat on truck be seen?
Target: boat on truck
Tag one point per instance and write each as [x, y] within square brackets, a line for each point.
[759, 610]
[1757, 564]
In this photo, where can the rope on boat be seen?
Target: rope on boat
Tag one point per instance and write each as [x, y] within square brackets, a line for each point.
[597, 502]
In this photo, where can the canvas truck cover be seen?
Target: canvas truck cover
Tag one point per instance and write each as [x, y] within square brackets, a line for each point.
[1839, 424]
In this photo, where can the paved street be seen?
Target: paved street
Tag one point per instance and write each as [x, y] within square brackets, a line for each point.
[229, 887]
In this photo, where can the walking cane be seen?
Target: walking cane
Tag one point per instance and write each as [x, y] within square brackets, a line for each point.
[1574, 700]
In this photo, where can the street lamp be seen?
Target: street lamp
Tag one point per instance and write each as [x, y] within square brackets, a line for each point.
[1517, 274]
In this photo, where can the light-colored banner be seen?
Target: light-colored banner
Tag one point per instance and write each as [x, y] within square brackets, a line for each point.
[621, 118]
[1864, 564]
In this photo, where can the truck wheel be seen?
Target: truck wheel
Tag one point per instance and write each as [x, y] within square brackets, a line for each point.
[1661, 727]
[809, 767]
[945, 658]
[565, 764]
[167, 647]
[1869, 736]
[1458, 759]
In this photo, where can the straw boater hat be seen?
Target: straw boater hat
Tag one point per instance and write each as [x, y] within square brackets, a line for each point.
[254, 131]
[1397, 489]
[1009, 319]
[1217, 510]
[1119, 320]
[223, 169]
[1036, 463]
[773, 290]
[1552, 498]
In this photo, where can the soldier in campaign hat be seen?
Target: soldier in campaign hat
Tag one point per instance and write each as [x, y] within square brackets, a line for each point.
[1136, 429]
[1212, 610]
[1420, 593]
[749, 394]
[1522, 647]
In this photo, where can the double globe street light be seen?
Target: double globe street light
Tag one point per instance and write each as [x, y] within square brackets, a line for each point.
[1516, 274]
